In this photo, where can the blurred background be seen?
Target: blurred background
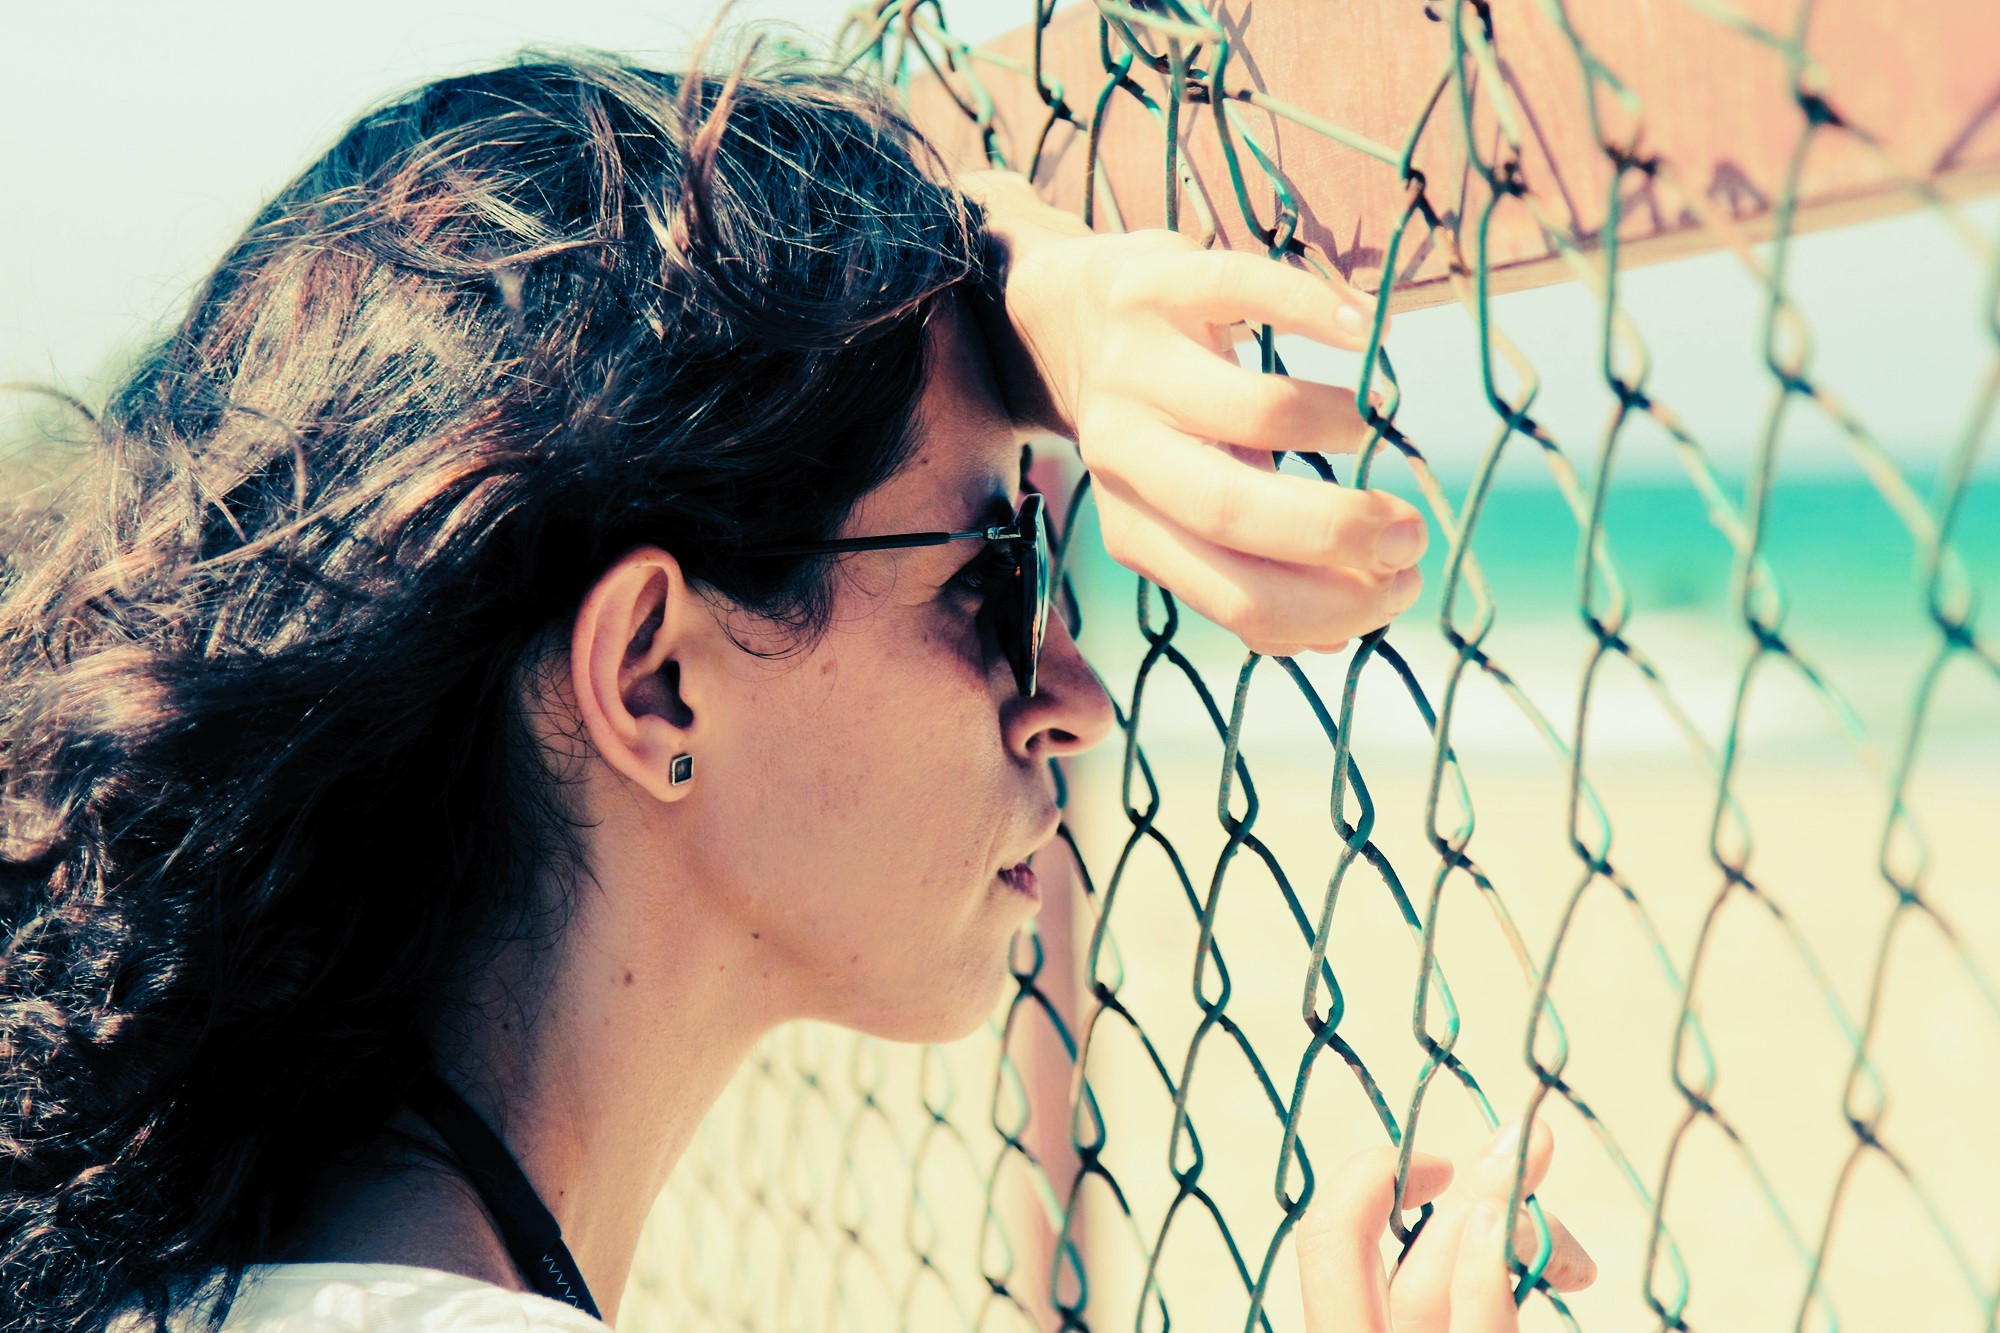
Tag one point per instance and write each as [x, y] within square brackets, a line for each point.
[847, 1185]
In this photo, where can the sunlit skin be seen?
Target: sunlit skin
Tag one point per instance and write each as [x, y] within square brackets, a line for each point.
[835, 856]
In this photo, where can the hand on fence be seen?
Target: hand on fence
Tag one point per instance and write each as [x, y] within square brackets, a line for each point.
[1453, 1279]
[1121, 342]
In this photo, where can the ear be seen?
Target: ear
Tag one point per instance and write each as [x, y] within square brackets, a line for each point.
[636, 624]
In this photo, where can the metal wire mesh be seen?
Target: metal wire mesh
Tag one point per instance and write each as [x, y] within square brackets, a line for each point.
[1133, 1141]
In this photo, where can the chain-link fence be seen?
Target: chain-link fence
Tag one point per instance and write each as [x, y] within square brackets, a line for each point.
[1661, 818]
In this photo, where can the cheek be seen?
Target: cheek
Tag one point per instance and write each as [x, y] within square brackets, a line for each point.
[890, 747]
[889, 711]
[870, 794]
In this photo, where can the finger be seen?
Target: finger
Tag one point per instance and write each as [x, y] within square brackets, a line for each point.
[1225, 287]
[1482, 1294]
[1215, 399]
[1340, 1259]
[1299, 520]
[1570, 1267]
[1429, 1176]
[1420, 1288]
[1340, 1237]
[1274, 607]
[1261, 459]
[1491, 1178]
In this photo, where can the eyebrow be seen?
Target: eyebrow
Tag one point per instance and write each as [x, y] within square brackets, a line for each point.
[998, 509]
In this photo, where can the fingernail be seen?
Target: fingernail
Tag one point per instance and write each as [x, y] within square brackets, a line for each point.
[1401, 543]
[1353, 318]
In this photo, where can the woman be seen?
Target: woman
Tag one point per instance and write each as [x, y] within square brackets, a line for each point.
[481, 680]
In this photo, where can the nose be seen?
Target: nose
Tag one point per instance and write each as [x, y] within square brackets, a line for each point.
[1070, 711]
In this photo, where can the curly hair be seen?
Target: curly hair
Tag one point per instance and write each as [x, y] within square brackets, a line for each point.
[264, 770]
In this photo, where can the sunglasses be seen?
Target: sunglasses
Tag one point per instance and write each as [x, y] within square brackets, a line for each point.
[1018, 603]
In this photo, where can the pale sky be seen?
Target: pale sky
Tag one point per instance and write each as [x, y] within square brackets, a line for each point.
[137, 137]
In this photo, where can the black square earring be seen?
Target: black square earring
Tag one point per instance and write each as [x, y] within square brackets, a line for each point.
[681, 770]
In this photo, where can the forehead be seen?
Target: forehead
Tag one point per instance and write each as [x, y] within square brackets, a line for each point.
[966, 450]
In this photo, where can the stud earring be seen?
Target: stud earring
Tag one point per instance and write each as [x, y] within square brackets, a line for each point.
[681, 770]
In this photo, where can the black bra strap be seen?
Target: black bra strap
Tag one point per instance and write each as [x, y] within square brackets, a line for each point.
[527, 1228]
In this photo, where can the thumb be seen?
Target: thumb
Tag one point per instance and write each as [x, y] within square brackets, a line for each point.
[1341, 1277]
[1344, 1285]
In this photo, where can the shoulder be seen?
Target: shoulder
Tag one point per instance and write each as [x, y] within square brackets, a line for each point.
[391, 1298]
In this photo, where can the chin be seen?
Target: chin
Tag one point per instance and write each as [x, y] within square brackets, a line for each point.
[936, 1018]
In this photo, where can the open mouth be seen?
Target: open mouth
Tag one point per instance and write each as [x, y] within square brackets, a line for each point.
[1021, 879]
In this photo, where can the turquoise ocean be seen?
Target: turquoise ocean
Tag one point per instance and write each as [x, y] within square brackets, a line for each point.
[1856, 606]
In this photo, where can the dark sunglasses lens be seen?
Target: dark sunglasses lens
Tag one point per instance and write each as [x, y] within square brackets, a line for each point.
[1004, 605]
[1034, 531]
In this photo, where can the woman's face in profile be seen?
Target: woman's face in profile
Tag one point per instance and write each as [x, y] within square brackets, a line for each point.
[857, 802]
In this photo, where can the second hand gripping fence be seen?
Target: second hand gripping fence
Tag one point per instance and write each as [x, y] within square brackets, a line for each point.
[1125, 1151]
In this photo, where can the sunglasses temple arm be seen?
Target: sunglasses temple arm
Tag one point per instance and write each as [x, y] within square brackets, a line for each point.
[842, 544]
[1016, 532]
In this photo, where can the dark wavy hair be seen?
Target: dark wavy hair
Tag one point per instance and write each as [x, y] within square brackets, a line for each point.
[264, 769]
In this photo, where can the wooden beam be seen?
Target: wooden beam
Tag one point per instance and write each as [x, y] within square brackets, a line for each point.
[1712, 115]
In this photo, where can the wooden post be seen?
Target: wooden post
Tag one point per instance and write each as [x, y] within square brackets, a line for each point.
[1715, 118]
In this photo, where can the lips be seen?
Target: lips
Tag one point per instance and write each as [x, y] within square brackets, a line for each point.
[1020, 876]
[1021, 879]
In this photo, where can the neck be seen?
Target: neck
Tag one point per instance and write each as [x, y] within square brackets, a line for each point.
[599, 1086]
[594, 1057]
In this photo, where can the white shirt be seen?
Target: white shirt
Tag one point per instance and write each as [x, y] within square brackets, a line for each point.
[390, 1298]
